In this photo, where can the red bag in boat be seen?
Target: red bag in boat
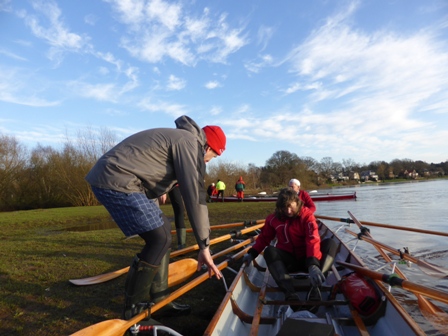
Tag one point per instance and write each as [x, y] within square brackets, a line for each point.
[361, 293]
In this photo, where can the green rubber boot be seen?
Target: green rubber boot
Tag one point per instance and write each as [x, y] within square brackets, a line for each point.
[138, 283]
[160, 290]
[181, 238]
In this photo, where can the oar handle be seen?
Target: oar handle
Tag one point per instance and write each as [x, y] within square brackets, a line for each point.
[217, 240]
[229, 225]
[387, 226]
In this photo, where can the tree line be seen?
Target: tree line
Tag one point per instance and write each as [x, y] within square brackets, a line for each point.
[45, 177]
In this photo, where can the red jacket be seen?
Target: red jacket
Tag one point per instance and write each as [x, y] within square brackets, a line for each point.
[307, 201]
[298, 236]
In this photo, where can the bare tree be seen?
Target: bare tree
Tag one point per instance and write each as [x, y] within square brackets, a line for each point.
[326, 167]
[12, 163]
[41, 182]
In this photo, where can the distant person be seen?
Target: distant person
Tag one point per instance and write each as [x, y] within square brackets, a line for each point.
[239, 187]
[221, 187]
[298, 247]
[179, 216]
[294, 184]
[211, 191]
[146, 166]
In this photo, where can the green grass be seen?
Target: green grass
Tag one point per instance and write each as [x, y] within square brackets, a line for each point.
[40, 252]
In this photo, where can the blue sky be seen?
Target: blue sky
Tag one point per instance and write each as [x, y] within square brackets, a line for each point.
[361, 80]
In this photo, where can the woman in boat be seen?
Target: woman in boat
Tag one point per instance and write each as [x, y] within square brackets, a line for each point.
[146, 166]
[303, 195]
[298, 247]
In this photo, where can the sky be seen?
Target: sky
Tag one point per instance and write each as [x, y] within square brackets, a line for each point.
[365, 80]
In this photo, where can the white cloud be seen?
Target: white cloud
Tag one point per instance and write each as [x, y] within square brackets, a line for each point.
[301, 87]
[53, 31]
[176, 83]
[13, 89]
[164, 12]
[5, 5]
[216, 110]
[159, 29]
[90, 19]
[377, 85]
[256, 66]
[12, 55]
[101, 92]
[174, 110]
[264, 35]
[212, 85]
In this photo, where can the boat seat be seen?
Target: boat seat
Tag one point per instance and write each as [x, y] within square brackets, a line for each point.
[291, 326]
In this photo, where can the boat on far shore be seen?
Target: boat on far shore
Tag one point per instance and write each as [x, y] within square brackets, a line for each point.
[316, 197]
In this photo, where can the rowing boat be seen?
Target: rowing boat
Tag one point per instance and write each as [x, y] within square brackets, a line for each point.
[316, 197]
[254, 305]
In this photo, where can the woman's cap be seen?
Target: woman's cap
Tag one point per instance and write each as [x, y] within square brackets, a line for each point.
[294, 181]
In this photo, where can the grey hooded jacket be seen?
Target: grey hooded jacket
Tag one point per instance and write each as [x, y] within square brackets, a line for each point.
[153, 161]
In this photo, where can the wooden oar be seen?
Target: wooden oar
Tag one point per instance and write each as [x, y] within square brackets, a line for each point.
[217, 240]
[97, 279]
[425, 306]
[218, 227]
[229, 225]
[387, 226]
[119, 327]
[177, 271]
[394, 280]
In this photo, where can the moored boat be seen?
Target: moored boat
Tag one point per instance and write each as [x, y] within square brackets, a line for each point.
[254, 305]
[316, 197]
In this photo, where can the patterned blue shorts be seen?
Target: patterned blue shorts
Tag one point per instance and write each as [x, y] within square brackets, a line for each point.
[134, 213]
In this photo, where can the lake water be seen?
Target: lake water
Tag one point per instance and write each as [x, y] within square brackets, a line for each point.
[417, 204]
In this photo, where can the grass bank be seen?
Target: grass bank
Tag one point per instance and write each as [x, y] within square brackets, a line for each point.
[42, 249]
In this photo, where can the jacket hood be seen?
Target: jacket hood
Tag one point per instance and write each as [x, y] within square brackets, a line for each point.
[186, 123]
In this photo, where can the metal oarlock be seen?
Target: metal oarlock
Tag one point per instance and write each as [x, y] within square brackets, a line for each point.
[135, 330]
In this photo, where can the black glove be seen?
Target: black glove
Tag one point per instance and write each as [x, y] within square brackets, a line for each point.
[248, 258]
[316, 276]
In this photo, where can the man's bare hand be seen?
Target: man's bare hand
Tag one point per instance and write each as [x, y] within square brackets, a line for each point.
[205, 258]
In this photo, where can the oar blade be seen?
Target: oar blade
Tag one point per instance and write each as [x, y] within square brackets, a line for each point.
[99, 278]
[432, 269]
[178, 271]
[181, 270]
[105, 328]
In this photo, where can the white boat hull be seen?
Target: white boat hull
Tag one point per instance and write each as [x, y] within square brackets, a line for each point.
[247, 311]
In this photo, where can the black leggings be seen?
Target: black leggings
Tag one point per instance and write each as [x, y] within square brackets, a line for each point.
[178, 207]
[157, 243]
[328, 247]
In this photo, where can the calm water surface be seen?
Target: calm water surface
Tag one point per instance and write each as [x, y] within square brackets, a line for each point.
[422, 205]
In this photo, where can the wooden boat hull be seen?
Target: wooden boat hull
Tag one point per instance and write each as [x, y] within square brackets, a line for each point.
[314, 197]
[251, 306]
